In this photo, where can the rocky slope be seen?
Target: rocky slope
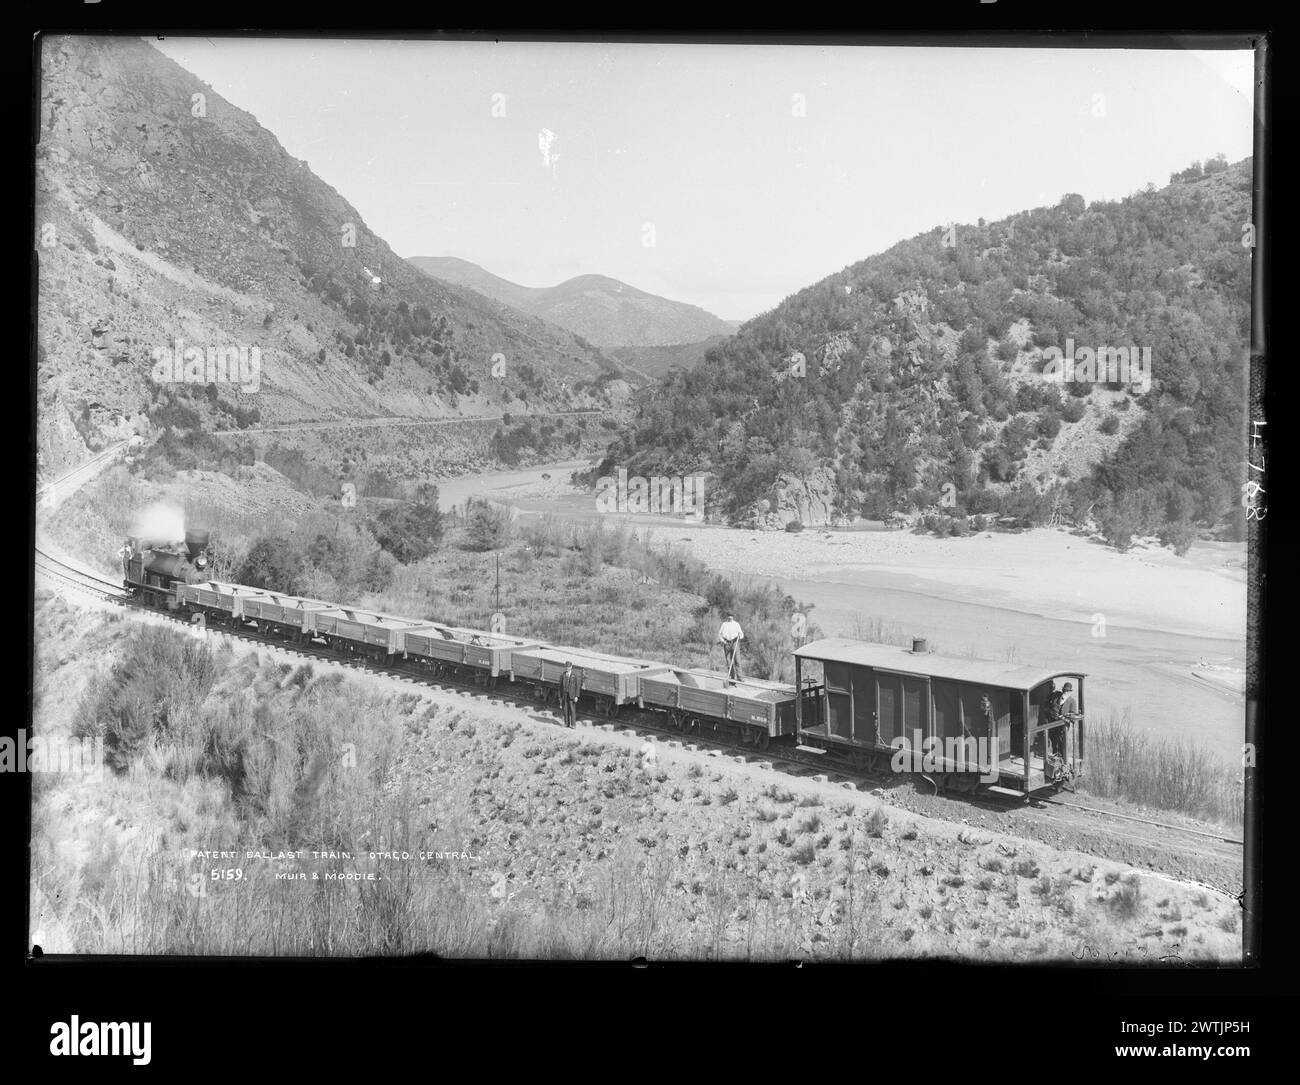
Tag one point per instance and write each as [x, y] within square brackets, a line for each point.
[166, 213]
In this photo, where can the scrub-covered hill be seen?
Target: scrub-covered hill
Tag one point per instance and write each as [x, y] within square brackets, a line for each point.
[915, 379]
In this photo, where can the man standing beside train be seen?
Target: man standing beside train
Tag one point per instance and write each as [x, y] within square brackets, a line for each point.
[570, 690]
[730, 636]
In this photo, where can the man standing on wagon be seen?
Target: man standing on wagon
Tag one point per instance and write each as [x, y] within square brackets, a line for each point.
[570, 690]
[730, 636]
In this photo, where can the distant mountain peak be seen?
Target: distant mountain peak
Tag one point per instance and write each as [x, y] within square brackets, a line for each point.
[605, 311]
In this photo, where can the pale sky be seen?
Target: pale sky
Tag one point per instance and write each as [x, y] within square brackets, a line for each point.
[749, 201]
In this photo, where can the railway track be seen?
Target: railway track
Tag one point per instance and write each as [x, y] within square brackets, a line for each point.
[1143, 821]
[49, 493]
[641, 722]
[70, 576]
[390, 422]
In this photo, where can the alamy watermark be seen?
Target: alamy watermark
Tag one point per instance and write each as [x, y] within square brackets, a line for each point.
[179, 364]
[667, 495]
[52, 753]
[1113, 365]
[951, 754]
[114, 1038]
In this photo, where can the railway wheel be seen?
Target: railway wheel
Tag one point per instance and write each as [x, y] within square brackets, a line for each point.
[763, 740]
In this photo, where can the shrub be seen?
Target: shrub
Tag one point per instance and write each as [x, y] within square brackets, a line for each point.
[410, 532]
[1072, 411]
[272, 562]
[1179, 536]
[491, 527]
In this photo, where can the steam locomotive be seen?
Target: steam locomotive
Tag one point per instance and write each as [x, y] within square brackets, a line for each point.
[152, 568]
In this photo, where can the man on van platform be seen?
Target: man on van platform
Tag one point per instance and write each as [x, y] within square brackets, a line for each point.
[1065, 708]
[1069, 706]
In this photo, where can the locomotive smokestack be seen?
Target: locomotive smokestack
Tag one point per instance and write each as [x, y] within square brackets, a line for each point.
[919, 646]
[196, 541]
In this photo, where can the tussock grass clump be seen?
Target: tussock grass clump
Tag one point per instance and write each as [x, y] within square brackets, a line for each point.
[1126, 899]
[876, 823]
[1168, 773]
[876, 630]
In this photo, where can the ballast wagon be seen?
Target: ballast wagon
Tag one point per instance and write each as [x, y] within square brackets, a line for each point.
[217, 600]
[283, 615]
[748, 709]
[361, 632]
[442, 649]
[611, 681]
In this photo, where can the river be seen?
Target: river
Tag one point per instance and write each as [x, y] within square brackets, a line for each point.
[1144, 672]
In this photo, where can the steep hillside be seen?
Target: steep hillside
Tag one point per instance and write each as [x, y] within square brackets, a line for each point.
[914, 380]
[601, 310]
[164, 213]
[652, 363]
